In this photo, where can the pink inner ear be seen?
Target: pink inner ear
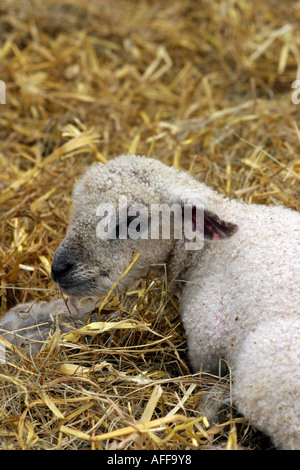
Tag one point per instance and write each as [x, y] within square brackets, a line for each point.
[216, 236]
[214, 228]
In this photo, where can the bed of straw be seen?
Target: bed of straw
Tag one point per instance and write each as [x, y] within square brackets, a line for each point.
[204, 86]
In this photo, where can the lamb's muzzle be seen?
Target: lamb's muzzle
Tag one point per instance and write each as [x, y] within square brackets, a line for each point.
[61, 268]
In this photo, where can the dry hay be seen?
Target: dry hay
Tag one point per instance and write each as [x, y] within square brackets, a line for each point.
[205, 86]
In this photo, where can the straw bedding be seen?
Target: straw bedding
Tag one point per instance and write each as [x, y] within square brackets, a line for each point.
[205, 86]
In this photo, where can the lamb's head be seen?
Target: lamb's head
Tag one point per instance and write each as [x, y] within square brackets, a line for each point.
[110, 224]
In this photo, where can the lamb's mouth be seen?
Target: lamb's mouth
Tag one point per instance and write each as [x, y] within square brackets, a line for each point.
[78, 289]
[70, 289]
[83, 288]
[66, 287]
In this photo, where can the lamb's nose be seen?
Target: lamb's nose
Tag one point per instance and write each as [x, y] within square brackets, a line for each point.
[60, 268]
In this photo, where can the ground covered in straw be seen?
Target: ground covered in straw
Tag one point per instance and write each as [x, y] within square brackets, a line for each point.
[205, 86]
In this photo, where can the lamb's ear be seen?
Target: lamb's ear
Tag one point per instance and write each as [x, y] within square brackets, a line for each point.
[204, 221]
[216, 228]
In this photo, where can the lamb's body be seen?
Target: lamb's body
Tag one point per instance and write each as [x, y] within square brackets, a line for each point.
[235, 285]
[240, 292]
[247, 311]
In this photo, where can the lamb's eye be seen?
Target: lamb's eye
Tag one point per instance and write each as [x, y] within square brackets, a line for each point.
[130, 218]
[104, 273]
[120, 231]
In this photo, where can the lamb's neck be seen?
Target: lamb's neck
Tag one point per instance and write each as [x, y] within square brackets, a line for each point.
[179, 261]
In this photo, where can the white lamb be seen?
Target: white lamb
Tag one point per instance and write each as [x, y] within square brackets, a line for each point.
[240, 291]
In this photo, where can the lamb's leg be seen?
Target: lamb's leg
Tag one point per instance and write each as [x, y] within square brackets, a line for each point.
[266, 381]
[212, 402]
[29, 325]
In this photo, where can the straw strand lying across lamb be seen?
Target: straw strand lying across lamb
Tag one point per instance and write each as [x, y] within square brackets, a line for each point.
[240, 292]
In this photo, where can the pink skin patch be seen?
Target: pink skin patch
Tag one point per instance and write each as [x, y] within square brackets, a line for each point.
[219, 326]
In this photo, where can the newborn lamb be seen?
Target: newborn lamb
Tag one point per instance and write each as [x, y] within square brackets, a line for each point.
[239, 277]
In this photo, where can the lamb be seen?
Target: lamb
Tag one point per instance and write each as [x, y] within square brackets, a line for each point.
[239, 280]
